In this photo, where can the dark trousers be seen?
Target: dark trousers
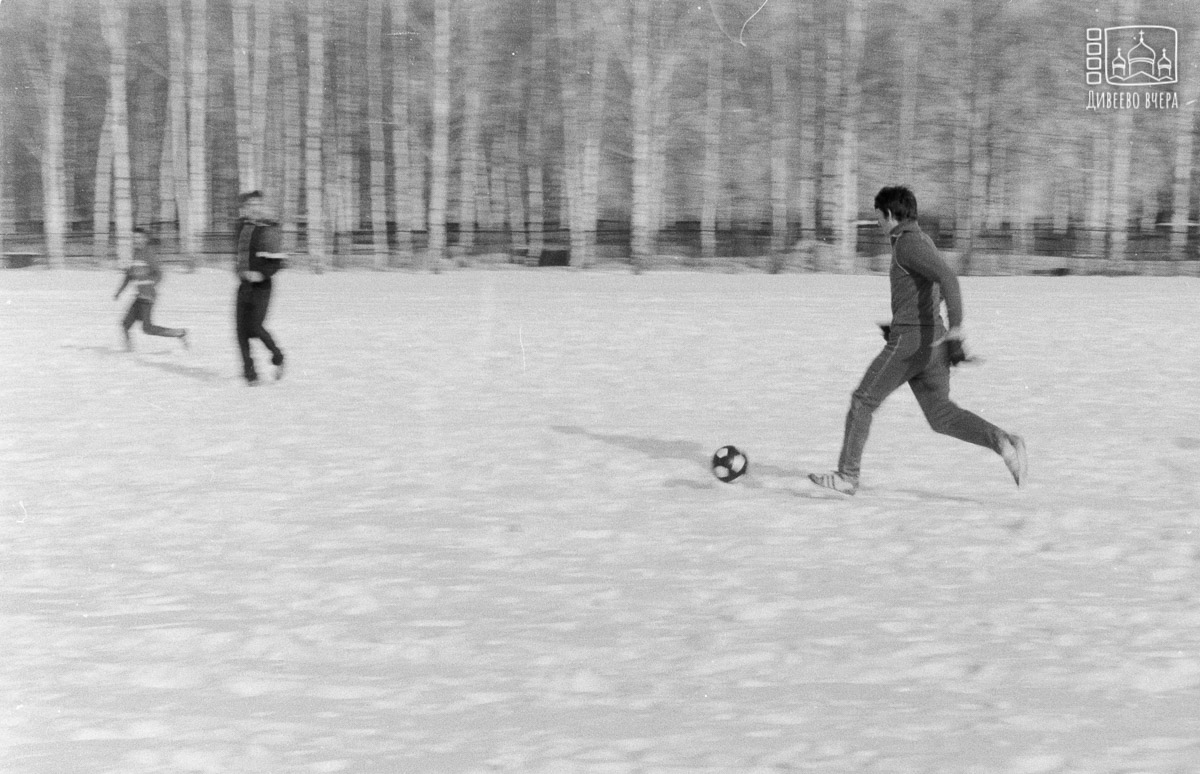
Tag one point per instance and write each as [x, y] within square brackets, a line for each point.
[911, 357]
[253, 299]
[141, 310]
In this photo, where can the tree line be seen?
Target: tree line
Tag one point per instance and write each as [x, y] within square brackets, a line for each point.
[401, 129]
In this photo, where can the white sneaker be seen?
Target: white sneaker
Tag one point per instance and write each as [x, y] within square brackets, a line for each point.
[1012, 449]
[835, 481]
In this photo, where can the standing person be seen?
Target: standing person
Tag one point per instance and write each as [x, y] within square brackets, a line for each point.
[258, 258]
[145, 273]
[919, 350]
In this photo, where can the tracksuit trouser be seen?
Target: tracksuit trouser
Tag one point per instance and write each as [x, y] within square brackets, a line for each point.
[911, 357]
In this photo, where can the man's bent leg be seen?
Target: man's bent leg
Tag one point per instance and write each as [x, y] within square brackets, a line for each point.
[932, 390]
[887, 372]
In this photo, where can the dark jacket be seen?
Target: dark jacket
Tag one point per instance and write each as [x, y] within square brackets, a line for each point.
[254, 238]
[920, 279]
[145, 273]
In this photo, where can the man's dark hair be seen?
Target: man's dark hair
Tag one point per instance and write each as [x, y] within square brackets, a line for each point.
[249, 195]
[898, 201]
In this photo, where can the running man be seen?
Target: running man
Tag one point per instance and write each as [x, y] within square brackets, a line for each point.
[919, 350]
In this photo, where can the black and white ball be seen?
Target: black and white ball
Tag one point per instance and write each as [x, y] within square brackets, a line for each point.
[729, 463]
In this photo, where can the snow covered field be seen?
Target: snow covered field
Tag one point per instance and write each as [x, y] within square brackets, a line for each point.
[474, 530]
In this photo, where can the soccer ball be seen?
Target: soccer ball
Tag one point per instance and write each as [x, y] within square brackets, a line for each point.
[729, 463]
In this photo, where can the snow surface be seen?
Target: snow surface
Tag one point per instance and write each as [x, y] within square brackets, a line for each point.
[474, 530]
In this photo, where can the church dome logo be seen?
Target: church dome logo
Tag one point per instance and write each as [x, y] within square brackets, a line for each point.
[1138, 55]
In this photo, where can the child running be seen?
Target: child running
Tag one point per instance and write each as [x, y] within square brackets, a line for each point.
[145, 273]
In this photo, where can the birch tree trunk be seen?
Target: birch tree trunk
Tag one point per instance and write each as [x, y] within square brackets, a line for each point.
[72, 150]
[335, 141]
[144, 136]
[5, 201]
[660, 119]
[252, 62]
[1149, 209]
[712, 177]
[1101, 171]
[222, 175]
[404, 174]
[829, 202]
[472, 119]
[440, 158]
[273, 163]
[198, 176]
[292, 149]
[177, 108]
[1066, 162]
[593, 136]
[53, 93]
[5, 206]
[258, 94]
[572, 129]
[1119, 185]
[781, 125]
[314, 195]
[642, 209]
[114, 32]
[535, 143]
[496, 178]
[1027, 186]
[909, 89]
[247, 179]
[584, 84]
[1182, 169]
[978, 166]
[962, 140]
[515, 205]
[347, 125]
[377, 158]
[848, 184]
[166, 172]
[353, 135]
[998, 204]
[661, 70]
[102, 197]
[809, 168]
[1118, 213]
[331, 135]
